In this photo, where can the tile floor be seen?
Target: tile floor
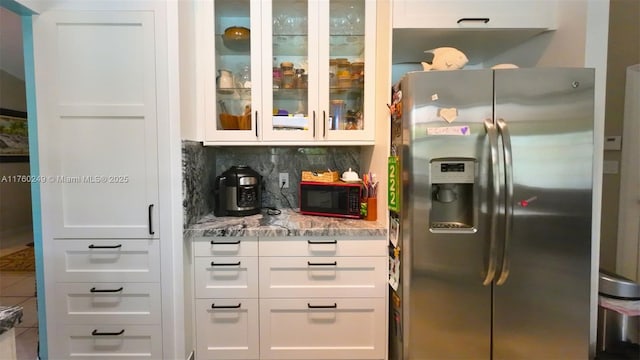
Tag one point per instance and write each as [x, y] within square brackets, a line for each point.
[19, 288]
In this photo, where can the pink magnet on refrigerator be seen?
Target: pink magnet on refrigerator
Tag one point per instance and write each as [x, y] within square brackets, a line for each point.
[525, 203]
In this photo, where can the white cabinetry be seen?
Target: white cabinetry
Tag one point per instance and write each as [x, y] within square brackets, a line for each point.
[100, 82]
[480, 29]
[493, 14]
[315, 298]
[105, 155]
[226, 293]
[323, 298]
[269, 104]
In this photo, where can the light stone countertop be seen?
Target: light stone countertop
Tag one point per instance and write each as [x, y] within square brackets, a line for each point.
[288, 223]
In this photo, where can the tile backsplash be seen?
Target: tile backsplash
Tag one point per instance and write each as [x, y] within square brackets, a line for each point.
[201, 164]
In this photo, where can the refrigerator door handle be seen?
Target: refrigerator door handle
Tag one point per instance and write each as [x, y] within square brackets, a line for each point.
[508, 205]
[495, 198]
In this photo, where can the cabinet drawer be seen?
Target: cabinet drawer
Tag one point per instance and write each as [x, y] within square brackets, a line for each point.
[108, 303]
[101, 342]
[227, 329]
[322, 246]
[323, 277]
[225, 246]
[107, 260]
[226, 277]
[504, 14]
[322, 329]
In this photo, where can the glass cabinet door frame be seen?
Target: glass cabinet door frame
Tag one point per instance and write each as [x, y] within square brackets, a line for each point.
[207, 45]
[367, 133]
[293, 136]
[261, 60]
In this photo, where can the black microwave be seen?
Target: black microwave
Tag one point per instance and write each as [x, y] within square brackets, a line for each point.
[338, 199]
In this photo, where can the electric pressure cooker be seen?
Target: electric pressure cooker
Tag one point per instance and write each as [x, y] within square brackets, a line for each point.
[237, 192]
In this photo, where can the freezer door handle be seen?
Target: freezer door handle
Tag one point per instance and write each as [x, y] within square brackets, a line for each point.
[508, 205]
[495, 198]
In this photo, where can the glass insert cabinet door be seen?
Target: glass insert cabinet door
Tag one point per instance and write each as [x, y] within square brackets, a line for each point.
[236, 65]
[289, 70]
[314, 71]
[346, 64]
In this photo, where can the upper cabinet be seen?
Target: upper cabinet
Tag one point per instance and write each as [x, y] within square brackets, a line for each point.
[286, 72]
[479, 14]
[480, 28]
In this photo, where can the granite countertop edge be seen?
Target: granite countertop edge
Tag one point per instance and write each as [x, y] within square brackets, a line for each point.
[288, 223]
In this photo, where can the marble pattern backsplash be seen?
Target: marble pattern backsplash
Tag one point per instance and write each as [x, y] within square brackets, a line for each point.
[198, 176]
[201, 164]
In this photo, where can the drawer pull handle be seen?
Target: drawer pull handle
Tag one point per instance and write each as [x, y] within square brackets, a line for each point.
[94, 290]
[213, 242]
[334, 306]
[322, 264]
[225, 264]
[484, 20]
[96, 333]
[214, 306]
[311, 242]
[105, 246]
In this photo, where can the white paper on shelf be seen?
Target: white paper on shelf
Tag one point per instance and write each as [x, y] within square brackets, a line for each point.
[291, 122]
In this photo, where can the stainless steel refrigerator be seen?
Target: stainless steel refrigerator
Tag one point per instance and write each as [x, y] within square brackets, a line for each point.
[495, 215]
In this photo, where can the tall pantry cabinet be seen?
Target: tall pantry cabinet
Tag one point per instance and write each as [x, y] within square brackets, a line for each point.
[105, 149]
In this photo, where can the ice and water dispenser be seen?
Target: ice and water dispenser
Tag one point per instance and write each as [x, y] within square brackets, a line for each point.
[452, 200]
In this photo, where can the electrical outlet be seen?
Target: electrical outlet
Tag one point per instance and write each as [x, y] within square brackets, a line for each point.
[283, 180]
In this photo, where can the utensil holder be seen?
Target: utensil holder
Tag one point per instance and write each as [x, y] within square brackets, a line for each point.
[372, 209]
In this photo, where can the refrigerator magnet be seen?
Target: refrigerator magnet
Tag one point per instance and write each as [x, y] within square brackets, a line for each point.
[449, 130]
[448, 114]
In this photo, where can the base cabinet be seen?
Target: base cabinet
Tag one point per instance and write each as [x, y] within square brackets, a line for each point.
[298, 298]
[98, 341]
[313, 328]
[227, 329]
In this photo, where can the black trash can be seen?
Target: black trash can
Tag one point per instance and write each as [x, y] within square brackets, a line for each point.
[618, 334]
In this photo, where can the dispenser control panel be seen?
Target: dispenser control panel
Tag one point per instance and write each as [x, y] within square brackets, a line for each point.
[453, 171]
